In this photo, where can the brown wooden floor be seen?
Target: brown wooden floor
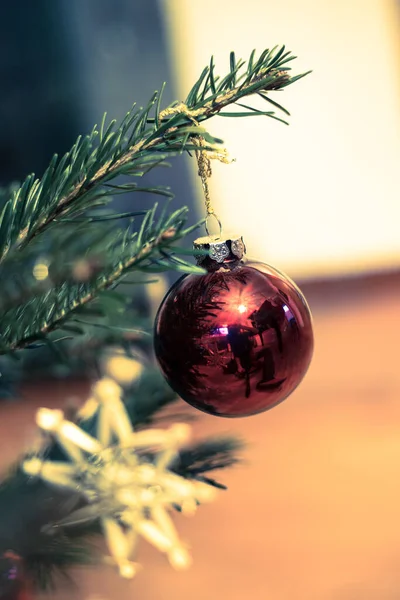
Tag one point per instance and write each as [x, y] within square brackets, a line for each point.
[315, 511]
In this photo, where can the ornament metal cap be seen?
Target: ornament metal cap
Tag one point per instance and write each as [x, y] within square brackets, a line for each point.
[221, 249]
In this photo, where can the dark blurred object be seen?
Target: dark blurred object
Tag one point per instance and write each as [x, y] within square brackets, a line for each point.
[122, 53]
[63, 64]
[12, 578]
[40, 100]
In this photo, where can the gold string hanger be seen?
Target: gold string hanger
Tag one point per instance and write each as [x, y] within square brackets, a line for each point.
[204, 158]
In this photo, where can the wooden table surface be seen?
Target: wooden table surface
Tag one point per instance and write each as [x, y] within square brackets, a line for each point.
[314, 511]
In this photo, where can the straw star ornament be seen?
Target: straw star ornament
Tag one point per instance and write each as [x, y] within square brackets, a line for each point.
[123, 476]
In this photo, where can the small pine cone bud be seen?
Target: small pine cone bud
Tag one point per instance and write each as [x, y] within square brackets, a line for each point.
[170, 233]
[282, 73]
[282, 76]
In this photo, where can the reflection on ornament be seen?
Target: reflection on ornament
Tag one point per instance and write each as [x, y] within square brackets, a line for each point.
[235, 341]
[128, 491]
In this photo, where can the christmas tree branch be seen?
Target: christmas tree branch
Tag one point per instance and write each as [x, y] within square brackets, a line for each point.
[146, 250]
[80, 183]
[71, 186]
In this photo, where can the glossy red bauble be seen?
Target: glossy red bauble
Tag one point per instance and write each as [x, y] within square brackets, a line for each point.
[235, 341]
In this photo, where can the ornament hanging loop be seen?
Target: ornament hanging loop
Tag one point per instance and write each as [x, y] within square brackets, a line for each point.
[207, 225]
[205, 172]
[204, 155]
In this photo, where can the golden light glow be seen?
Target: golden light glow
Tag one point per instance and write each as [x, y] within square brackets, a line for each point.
[41, 271]
[127, 569]
[242, 308]
[123, 369]
[48, 419]
[77, 436]
[180, 558]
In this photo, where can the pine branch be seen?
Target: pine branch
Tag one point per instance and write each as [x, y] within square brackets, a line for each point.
[208, 455]
[80, 183]
[147, 250]
[74, 184]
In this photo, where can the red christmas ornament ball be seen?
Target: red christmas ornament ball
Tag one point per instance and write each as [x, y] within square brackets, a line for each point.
[237, 340]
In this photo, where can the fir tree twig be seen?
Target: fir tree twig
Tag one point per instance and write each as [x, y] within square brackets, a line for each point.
[79, 183]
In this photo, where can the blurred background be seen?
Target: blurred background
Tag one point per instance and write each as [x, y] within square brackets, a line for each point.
[313, 514]
[320, 197]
